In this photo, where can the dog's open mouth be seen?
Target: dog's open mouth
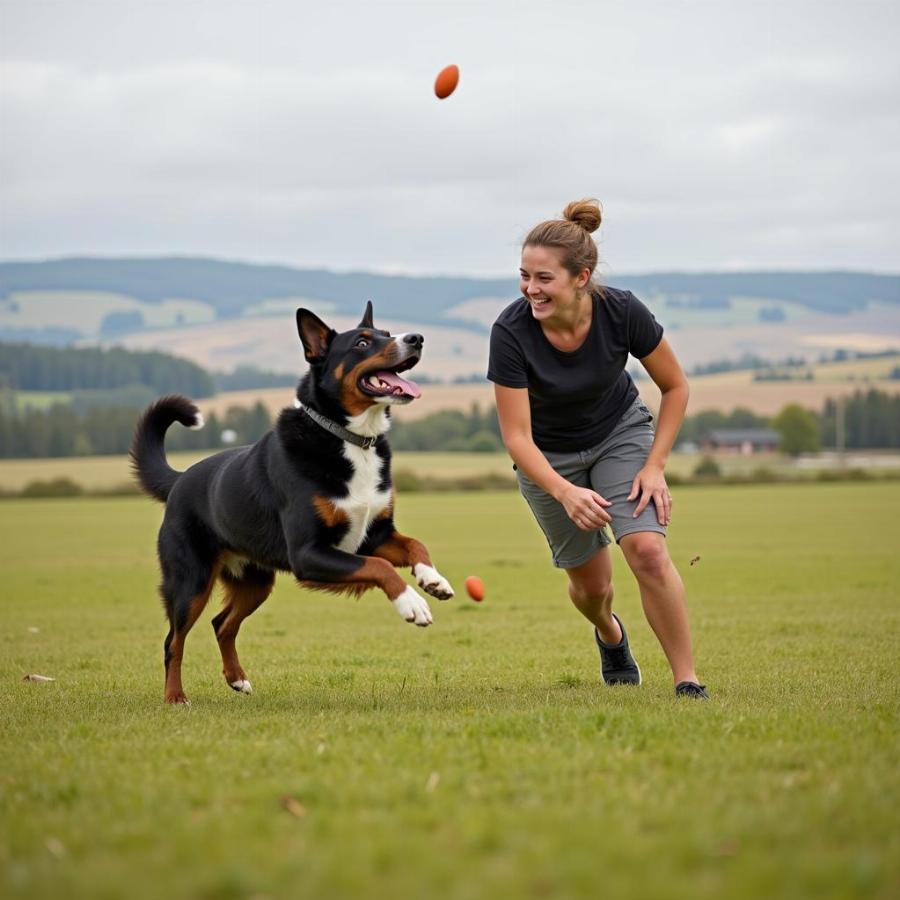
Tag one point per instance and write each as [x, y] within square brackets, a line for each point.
[388, 383]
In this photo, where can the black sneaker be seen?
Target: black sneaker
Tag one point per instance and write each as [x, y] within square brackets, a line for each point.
[691, 689]
[617, 665]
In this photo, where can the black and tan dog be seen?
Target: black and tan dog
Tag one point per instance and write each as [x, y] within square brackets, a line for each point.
[313, 496]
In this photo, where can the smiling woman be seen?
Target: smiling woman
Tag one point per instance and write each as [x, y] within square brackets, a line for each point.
[581, 439]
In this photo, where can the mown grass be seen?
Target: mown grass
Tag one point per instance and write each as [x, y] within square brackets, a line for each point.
[477, 758]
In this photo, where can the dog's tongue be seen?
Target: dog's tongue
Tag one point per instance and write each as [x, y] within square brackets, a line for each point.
[395, 381]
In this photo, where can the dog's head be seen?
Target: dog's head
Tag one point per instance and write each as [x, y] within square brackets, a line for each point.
[354, 370]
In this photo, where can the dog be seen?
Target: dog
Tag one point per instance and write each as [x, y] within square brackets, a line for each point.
[313, 496]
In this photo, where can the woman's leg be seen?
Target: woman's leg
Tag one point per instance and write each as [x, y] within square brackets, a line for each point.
[663, 598]
[591, 590]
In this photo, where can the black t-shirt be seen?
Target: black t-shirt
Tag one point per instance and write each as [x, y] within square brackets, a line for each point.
[576, 398]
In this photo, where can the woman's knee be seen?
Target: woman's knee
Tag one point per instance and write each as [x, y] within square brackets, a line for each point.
[590, 584]
[597, 590]
[647, 554]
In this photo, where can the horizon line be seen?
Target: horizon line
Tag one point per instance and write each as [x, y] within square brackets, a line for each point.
[392, 272]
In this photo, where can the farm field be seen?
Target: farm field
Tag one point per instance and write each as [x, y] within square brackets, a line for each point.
[93, 473]
[41, 400]
[109, 473]
[435, 398]
[723, 391]
[106, 473]
[265, 337]
[853, 370]
[477, 758]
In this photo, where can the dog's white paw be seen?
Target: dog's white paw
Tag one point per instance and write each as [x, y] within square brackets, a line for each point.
[413, 608]
[243, 687]
[431, 581]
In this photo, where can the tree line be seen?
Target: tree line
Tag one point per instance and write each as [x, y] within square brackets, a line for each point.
[64, 430]
[29, 367]
[871, 419]
[60, 431]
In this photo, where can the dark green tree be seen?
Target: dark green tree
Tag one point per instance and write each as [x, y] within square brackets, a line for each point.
[799, 430]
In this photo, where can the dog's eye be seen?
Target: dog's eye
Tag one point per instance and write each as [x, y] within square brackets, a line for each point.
[362, 343]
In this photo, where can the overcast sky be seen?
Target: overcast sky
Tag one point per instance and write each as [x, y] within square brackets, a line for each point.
[717, 135]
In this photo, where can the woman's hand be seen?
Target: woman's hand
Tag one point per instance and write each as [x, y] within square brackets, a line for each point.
[650, 484]
[585, 507]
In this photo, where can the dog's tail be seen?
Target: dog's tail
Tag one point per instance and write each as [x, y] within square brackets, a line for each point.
[148, 455]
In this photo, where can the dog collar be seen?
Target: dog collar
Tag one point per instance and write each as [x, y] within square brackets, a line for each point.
[338, 430]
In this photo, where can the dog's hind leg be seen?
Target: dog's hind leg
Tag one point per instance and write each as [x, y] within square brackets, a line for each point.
[187, 608]
[244, 594]
[189, 574]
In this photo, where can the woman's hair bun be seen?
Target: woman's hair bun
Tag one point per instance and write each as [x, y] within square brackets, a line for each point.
[586, 213]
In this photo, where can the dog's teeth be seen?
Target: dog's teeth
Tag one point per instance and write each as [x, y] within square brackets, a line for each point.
[375, 381]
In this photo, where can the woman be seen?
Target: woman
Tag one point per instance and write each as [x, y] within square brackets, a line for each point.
[584, 449]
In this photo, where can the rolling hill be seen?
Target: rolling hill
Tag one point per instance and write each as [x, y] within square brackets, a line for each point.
[231, 287]
[223, 314]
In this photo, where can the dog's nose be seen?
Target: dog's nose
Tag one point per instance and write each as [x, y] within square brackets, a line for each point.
[415, 340]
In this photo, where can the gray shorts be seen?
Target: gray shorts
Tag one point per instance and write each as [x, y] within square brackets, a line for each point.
[609, 469]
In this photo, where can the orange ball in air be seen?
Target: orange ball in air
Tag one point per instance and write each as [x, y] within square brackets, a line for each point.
[475, 588]
[446, 82]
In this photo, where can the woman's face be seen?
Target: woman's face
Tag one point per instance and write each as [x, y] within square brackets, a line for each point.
[546, 284]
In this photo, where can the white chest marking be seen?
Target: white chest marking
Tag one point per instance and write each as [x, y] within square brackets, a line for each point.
[364, 501]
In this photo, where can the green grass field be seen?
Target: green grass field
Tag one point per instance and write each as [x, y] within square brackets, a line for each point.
[480, 757]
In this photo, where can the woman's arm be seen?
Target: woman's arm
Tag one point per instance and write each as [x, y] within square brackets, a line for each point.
[663, 367]
[583, 506]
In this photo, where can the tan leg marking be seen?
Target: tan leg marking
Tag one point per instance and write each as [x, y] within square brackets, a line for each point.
[174, 688]
[241, 600]
[402, 551]
[372, 573]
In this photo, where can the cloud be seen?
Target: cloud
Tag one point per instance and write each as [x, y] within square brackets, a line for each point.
[759, 133]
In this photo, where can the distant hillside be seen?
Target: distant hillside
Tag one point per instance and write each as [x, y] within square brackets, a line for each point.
[231, 287]
[832, 292]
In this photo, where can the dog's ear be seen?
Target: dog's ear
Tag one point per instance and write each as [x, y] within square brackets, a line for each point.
[315, 335]
[367, 317]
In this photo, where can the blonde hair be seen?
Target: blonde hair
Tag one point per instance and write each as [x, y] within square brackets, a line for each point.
[572, 235]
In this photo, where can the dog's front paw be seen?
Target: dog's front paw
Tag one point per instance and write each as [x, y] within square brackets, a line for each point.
[431, 581]
[413, 608]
